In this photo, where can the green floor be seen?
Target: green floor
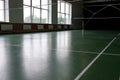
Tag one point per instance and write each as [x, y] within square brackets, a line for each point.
[60, 55]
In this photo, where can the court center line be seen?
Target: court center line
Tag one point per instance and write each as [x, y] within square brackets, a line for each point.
[92, 62]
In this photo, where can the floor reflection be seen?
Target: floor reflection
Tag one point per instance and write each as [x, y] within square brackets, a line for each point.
[63, 44]
[52, 56]
[3, 60]
[62, 55]
[15, 58]
[35, 52]
[44, 54]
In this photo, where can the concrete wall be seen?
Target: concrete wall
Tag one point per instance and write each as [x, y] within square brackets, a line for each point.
[77, 12]
[16, 11]
[54, 12]
[30, 27]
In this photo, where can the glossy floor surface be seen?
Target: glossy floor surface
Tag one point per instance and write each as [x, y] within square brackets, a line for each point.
[60, 55]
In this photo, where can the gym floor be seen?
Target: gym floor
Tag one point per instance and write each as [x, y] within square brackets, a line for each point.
[62, 55]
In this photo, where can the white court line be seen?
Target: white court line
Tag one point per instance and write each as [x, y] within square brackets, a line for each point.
[82, 28]
[75, 51]
[119, 34]
[63, 50]
[92, 62]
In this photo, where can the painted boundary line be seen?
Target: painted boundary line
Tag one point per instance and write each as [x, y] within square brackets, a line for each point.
[119, 77]
[119, 34]
[75, 51]
[92, 62]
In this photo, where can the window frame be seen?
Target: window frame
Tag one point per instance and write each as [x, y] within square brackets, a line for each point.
[5, 11]
[40, 8]
[67, 21]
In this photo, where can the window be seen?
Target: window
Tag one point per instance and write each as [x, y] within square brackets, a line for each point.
[64, 12]
[3, 10]
[37, 11]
